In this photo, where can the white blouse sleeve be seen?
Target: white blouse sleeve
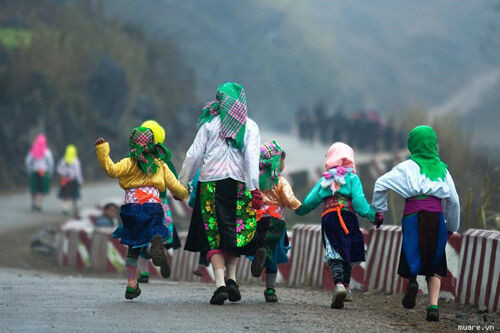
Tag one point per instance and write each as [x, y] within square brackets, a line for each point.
[28, 161]
[252, 148]
[61, 168]
[451, 206]
[50, 161]
[194, 156]
[392, 180]
[78, 172]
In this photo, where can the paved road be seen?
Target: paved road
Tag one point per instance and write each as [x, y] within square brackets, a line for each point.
[16, 213]
[34, 301]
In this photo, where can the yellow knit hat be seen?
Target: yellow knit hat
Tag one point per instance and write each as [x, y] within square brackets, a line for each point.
[157, 130]
[71, 154]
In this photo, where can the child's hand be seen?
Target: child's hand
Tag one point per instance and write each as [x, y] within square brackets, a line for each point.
[99, 141]
[379, 219]
[301, 211]
[257, 199]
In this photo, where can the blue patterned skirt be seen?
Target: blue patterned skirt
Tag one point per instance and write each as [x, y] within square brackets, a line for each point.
[141, 223]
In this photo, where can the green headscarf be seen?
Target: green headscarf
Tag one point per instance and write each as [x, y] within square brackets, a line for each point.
[269, 165]
[231, 104]
[422, 144]
[144, 151]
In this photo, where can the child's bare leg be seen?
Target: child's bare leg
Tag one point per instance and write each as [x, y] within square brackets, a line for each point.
[65, 206]
[434, 285]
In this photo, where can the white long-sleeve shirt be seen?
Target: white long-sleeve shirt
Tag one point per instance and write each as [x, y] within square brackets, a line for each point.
[217, 159]
[72, 171]
[406, 180]
[46, 163]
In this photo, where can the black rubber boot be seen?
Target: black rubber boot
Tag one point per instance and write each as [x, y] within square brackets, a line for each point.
[131, 293]
[258, 262]
[219, 296]
[270, 295]
[432, 313]
[159, 256]
[410, 295]
[233, 291]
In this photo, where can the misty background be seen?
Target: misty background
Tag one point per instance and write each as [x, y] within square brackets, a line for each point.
[79, 69]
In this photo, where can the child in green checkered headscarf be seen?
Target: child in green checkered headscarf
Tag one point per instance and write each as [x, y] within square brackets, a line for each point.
[143, 175]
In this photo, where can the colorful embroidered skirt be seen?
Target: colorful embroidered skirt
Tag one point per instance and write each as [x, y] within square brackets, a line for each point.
[222, 218]
[70, 190]
[173, 241]
[424, 243]
[39, 183]
[141, 223]
[271, 235]
[351, 247]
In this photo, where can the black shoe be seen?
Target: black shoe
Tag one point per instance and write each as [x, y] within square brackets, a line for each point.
[258, 262]
[131, 293]
[219, 296]
[410, 295]
[233, 291]
[143, 278]
[159, 256]
[432, 313]
[270, 295]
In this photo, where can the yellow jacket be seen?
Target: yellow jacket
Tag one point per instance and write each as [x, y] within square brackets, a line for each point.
[131, 176]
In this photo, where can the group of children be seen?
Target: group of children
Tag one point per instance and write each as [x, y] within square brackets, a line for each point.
[240, 198]
[40, 166]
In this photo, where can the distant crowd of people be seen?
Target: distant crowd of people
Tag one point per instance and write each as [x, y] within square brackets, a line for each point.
[365, 130]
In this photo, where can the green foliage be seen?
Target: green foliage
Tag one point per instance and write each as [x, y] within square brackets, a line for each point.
[65, 81]
[13, 38]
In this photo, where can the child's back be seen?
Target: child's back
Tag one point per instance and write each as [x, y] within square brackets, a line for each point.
[130, 174]
[341, 191]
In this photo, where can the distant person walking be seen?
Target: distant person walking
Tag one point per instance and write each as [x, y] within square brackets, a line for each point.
[40, 165]
[70, 170]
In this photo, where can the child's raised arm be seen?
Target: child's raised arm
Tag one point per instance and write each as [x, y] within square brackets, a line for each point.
[112, 169]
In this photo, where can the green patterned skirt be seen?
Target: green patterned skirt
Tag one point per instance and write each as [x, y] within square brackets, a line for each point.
[222, 218]
[39, 184]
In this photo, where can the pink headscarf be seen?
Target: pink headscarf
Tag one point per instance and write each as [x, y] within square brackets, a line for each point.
[39, 147]
[340, 154]
[338, 163]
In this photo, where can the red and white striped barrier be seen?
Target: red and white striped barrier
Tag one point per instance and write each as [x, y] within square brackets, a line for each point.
[478, 281]
[383, 261]
[107, 254]
[306, 265]
[184, 262]
[74, 244]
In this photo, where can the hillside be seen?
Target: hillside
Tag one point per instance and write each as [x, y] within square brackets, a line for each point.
[68, 72]
[394, 57]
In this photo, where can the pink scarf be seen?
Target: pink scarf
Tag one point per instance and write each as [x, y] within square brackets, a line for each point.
[39, 147]
[338, 163]
[340, 154]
